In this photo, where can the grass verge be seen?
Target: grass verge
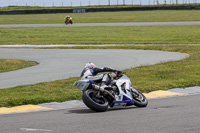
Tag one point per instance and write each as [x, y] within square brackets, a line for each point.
[105, 17]
[102, 35]
[183, 73]
[13, 64]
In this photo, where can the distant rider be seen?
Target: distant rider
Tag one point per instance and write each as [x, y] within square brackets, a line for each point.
[67, 18]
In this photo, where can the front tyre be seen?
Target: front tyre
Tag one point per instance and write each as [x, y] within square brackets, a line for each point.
[66, 22]
[139, 99]
[95, 102]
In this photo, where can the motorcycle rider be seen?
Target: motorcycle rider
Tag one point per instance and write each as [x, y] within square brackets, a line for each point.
[90, 71]
[67, 18]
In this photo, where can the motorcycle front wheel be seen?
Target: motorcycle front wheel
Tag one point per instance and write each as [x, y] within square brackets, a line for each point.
[139, 99]
[94, 102]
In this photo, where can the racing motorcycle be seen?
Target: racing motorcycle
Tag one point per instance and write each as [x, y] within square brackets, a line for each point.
[118, 92]
[68, 20]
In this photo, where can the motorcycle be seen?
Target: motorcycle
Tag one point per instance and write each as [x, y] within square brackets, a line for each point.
[68, 20]
[118, 92]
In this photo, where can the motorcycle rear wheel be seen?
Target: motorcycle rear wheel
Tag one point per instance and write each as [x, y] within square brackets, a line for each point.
[140, 100]
[94, 102]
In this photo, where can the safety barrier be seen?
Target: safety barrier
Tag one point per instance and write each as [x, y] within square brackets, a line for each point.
[46, 11]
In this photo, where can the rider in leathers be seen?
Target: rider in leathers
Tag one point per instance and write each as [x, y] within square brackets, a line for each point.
[90, 71]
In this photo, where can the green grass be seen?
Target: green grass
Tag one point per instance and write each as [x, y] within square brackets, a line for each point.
[183, 73]
[13, 64]
[105, 17]
[102, 35]
[39, 93]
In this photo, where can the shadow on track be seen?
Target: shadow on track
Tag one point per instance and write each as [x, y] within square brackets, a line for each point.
[88, 111]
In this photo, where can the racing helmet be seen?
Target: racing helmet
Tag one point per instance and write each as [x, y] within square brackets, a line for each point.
[90, 65]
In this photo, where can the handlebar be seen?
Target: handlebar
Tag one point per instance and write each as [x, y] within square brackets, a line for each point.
[119, 74]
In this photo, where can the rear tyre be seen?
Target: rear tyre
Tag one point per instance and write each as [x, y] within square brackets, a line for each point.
[139, 99]
[94, 102]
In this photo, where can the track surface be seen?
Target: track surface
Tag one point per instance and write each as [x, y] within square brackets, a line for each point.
[104, 24]
[175, 115]
[55, 64]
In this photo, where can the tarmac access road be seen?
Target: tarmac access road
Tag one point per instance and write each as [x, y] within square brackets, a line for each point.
[104, 24]
[175, 115]
[55, 64]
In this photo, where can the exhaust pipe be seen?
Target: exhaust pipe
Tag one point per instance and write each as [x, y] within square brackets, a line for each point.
[98, 88]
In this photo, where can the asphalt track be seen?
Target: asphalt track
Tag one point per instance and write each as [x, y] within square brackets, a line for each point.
[55, 64]
[175, 115]
[104, 24]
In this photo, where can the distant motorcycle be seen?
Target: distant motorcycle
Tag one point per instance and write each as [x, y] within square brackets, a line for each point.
[119, 92]
[68, 20]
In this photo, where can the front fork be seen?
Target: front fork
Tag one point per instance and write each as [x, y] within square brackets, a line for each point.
[134, 92]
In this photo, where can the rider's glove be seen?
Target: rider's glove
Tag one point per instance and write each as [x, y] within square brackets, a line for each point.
[119, 72]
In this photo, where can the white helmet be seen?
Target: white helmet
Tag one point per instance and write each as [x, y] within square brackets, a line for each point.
[90, 65]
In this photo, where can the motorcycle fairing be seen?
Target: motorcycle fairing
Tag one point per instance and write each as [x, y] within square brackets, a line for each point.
[83, 84]
[124, 97]
[124, 100]
[124, 80]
